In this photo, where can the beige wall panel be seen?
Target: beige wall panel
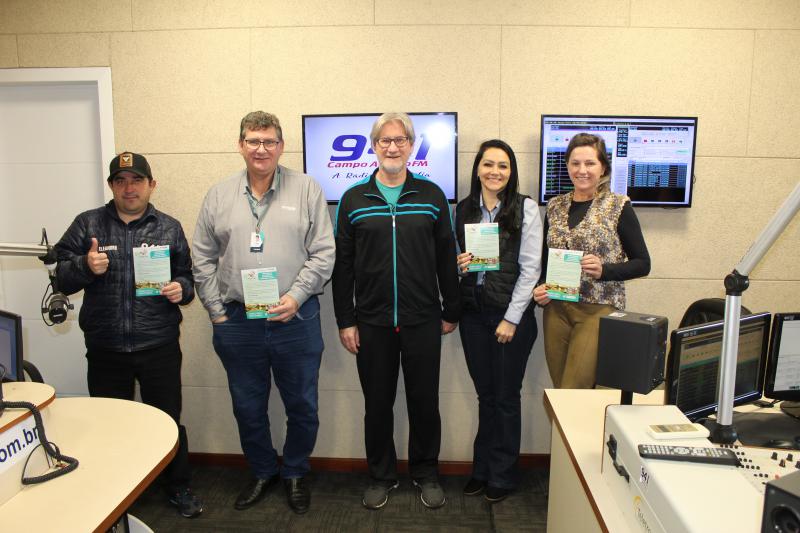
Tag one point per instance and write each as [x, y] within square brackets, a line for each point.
[528, 168]
[64, 16]
[454, 376]
[733, 200]
[671, 297]
[535, 425]
[288, 159]
[627, 71]
[465, 169]
[182, 180]
[189, 14]
[772, 296]
[531, 12]
[338, 370]
[201, 366]
[341, 69]
[208, 417]
[65, 50]
[459, 414]
[775, 111]
[182, 91]
[716, 13]
[341, 425]
[8, 51]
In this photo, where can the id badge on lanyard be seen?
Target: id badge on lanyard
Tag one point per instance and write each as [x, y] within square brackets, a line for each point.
[257, 241]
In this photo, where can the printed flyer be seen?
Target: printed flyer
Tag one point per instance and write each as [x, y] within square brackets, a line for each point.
[563, 274]
[483, 242]
[151, 269]
[260, 287]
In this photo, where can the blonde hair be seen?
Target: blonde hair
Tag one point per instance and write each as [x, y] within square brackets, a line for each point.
[384, 119]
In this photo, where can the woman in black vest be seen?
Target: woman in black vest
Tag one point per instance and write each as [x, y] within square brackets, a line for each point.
[498, 327]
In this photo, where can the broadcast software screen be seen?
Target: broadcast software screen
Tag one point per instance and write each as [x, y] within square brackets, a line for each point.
[652, 158]
[783, 375]
[337, 151]
[693, 365]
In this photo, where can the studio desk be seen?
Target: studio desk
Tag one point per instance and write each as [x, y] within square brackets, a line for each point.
[585, 493]
[121, 445]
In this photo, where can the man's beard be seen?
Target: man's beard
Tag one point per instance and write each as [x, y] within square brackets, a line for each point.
[392, 169]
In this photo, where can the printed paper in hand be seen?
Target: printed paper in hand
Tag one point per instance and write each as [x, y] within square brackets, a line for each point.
[151, 269]
[260, 287]
[564, 274]
[483, 242]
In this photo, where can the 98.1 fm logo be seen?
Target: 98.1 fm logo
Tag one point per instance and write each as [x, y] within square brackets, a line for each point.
[349, 150]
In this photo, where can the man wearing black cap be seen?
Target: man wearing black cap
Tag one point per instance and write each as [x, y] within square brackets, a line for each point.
[131, 329]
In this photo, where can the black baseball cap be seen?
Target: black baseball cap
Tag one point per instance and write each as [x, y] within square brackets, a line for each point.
[132, 163]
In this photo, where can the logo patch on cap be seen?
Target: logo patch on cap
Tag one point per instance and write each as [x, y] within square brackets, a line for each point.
[125, 160]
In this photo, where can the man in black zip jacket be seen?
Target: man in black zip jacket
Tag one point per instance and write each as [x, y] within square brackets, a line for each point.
[132, 337]
[395, 254]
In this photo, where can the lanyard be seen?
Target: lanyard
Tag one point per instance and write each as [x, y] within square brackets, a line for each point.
[254, 208]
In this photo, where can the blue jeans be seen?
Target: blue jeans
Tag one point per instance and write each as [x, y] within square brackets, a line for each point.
[497, 371]
[254, 350]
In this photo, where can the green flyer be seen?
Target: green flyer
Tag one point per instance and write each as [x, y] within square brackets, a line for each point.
[564, 274]
[483, 242]
[260, 287]
[151, 269]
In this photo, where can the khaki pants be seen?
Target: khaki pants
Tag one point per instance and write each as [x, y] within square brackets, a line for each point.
[570, 342]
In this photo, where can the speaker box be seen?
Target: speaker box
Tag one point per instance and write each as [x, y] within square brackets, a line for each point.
[782, 505]
[631, 350]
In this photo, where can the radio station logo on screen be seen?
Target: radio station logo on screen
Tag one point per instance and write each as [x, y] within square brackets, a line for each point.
[338, 152]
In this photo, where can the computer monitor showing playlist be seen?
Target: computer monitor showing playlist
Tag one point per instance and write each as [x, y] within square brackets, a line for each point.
[694, 360]
[783, 371]
[11, 346]
[652, 158]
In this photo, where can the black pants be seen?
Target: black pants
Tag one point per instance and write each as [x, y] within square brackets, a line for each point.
[158, 370]
[418, 348]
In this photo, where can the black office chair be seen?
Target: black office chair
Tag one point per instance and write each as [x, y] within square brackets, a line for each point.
[32, 372]
[706, 310]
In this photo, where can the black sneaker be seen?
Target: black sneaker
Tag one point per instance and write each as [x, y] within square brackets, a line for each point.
[496, 494]
[188, 503]
[474, 487]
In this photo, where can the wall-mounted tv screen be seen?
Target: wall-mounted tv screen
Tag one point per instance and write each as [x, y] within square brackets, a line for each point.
[652, 158]
[337, 151]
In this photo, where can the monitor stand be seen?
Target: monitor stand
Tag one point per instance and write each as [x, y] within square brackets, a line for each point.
[791, 408]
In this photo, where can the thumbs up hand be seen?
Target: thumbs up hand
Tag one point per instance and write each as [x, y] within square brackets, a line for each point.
[98, 262]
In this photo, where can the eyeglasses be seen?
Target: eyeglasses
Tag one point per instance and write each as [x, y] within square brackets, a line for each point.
[386, 142]
[268, 144]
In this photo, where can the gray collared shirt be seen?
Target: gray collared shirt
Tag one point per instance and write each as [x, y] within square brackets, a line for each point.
[298, 238]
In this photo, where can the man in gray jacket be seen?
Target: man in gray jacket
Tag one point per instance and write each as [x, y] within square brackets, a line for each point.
[263, 250]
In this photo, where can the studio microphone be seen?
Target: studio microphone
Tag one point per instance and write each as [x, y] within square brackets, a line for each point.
[56, 304]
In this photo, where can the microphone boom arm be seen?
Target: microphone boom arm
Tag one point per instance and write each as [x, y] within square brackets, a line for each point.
[57, 305]
[737, 282]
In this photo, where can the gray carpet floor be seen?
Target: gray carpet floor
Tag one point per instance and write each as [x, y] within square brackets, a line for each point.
[336, 507]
